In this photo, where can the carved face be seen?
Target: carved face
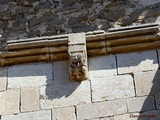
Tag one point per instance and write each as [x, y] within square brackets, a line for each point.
[76, 60]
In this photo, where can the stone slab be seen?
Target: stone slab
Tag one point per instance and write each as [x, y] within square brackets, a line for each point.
[3, 79]
[67, 113]
[77, 38]
[29, 99]
[76, 48]
[101, 109]
[38, 115]
[147, 83]
[102, 66]
[59, 76]
[29, 75]
[141, 104]
[114, 87]
[9, 102]
[63, 95]
[137, 61]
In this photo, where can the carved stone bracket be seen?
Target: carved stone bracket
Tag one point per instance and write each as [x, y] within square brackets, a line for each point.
[78, 67]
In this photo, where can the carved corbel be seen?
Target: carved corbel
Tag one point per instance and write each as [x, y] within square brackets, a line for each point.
[78, 67]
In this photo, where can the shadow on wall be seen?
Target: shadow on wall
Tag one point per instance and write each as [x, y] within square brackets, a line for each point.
[151, 105]
[53, 84]
[145, 69]
[61, 85]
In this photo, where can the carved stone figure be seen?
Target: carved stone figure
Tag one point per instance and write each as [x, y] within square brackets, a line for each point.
[78, 66]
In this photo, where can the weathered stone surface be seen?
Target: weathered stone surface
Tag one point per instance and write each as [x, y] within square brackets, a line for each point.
[66, 14]
[62, 95]
[34, 21]
[102, 109]
[38, 115]
[64, 113]
[102, 66]
[153, 12]
[59, 76]
[141, 104]
[147, 83]
[78, 38]
[22, 10]
[29, 99]
[74, 20]
[84, 29]
[55, 22]
[9, 102]
[137, 61]
[43, 5]
[4, 1]
[3, 79]
[112, 16]
[29, 75]
[148, 2]
[3, 25]
[69, 2]
[108, 88]
[135, 14]
[65, 8]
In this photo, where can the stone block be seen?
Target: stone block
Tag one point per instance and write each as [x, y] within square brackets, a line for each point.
[64, 113]
[114, 87]
[29, 99]
[77, 38]
[59, 76]
[102, 66]
[29, 75]
[63, 95]
[148, 2]
[38, 115]
[76, 48]
[141, 104]
[101, 109]
[9, 102]
[3, 79]
[147, 83]
[137, 61]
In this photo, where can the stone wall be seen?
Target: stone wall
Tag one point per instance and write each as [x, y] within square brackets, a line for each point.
[29, 18]
[121, 87]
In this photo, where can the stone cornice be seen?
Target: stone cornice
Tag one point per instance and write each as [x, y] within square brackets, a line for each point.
[55, 48]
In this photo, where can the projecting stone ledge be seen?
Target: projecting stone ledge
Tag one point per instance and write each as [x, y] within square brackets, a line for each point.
[55, 48]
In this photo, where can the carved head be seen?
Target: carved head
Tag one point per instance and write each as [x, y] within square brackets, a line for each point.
[76, 59]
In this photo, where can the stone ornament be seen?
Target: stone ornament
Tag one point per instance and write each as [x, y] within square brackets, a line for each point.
[78, 68]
